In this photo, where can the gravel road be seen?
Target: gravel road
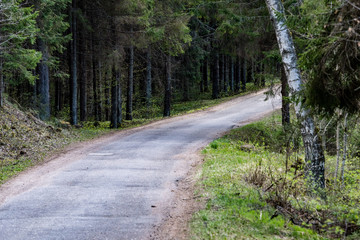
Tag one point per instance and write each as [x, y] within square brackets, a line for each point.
[120, 186]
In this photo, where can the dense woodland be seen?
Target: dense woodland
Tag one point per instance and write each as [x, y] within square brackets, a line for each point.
[103, 60]
[118, 60]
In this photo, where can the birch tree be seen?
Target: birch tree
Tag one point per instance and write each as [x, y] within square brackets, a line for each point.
[314, 156]
[345, 148]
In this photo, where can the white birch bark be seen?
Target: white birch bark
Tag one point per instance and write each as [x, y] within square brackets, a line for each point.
[345, 149]
[1, 83]
[324, 130]
[337, 149]
[315, 160]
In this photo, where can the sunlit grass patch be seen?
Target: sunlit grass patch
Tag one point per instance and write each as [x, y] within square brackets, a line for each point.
[235, 208]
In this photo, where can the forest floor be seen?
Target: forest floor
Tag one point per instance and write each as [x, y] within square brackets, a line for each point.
[146, 178]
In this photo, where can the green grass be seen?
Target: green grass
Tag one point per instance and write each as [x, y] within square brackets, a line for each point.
[244, 178]
[9, 170]
[234, 209]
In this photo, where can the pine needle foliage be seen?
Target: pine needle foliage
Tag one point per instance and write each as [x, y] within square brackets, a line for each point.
[329, 35]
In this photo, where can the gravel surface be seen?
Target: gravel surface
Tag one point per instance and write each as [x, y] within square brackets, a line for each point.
[122, 186]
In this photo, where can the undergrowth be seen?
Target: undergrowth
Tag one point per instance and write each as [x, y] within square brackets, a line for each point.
[24, 140]
[253, 186]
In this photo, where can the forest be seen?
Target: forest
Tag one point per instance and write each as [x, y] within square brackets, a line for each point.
[95, 60]
[114, 61]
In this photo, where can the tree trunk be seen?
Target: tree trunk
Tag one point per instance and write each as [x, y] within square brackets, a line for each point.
[215, 77]
[202, 77]
[248, 72]
[257, 75]
[100, 104]
[83, 79]
[337, 147]
[114, 98]
[44, 82]
[232, 74]
[148, 79]
[1, 84]
[35, 93]
[119, 98]
[130, 87]
[285, 110]
[58, 96]
[116, 91]
[314, 156]
[205, 75]
[95, 88]
[323, 132]
[108, 80]
[237, 74]
[83, 67]
[243, 74]
[345, 149]
[185, 84]
[226, 73]
[253, 71]
[221, 72]
[95, 79]
[185, 88]
[73, 66]
[262, 72]
[167, 99]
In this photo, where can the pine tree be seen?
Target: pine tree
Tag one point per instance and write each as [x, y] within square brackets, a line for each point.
[50, 40]
[17, 28]
[73, 64]
[173, 36]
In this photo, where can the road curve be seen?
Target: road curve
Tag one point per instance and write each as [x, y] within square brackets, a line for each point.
[113, 189]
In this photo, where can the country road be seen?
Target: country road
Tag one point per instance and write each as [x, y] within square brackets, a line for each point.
[118, 187]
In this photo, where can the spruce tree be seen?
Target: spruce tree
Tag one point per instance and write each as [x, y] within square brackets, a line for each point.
[17, 28]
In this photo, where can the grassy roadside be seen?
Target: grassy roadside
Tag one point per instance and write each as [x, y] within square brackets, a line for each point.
[26, 141]
[249, 193]
[234, 208]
